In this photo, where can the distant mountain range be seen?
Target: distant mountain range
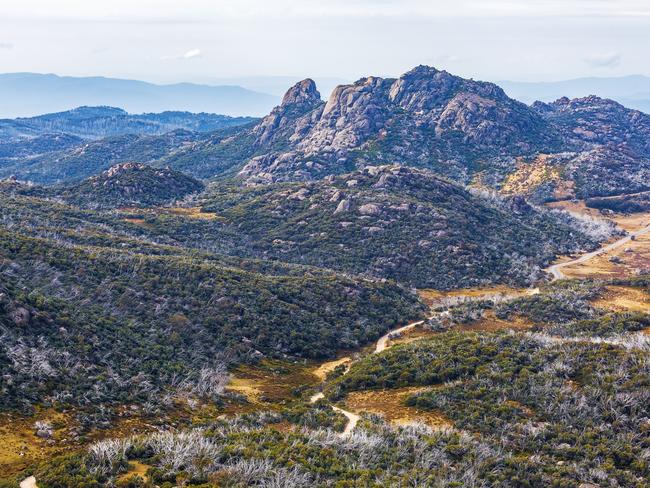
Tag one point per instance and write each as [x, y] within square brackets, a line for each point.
[631, 91]
[29, 94]
[100, 122]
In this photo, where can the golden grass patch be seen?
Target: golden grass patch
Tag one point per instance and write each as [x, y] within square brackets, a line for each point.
[434, 298]
[136, 468]
[324, 369]
[191, 213]
[529, 175]
[391, 404]
[490, 323]
[272, 381]
[623, 298]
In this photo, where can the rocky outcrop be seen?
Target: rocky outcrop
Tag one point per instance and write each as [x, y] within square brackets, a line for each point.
[131, 184]
[594, 121]
[286, 120]
[424, 117]
[352, 114]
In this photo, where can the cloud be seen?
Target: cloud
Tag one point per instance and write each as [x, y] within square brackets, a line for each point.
[6, 45]
[192, 54]
[604, 60]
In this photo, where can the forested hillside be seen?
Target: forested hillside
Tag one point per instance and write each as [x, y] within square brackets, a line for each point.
[94, 315]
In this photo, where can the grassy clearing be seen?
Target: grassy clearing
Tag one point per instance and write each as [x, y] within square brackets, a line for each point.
[324, 369]
[272, 381]
[622, 299]
[490, 323]
[391, 405]
[436, 297]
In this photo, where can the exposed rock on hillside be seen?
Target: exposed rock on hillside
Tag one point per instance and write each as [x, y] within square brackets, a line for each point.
[285, 120]
[132, 184]
[425, 118]
[597, 121]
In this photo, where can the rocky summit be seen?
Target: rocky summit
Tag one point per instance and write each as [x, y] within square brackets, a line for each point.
[466, 130]
[425, 118]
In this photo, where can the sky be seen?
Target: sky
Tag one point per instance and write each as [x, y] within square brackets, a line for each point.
[168, 41]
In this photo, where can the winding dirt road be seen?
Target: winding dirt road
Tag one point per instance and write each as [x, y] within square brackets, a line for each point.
[382, 343]
[556, 269]
[353, 419]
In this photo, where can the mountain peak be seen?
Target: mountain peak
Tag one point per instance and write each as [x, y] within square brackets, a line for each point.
[422, 70]
[302, 93]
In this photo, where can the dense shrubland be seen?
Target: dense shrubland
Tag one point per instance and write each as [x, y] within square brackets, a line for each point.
[560, 309]
[399, 223]
[526, 410]
[388, 222]
[572, 411]
[95, 314]
[250, 452]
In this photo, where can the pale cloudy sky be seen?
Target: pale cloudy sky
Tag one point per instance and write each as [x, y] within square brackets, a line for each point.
[200, 40]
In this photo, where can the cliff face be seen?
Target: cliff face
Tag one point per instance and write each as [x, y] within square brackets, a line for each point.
[284, 122]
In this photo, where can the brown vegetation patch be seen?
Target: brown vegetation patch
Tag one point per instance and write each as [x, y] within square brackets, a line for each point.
[20, 447]
[191, 213]
[578, 207]
[436, 297]
[520, 406]
[272, 381]
[623, 298]
[138, 221]
[490, 323]
[136, 468]
[529, 175]
[392, 405]
[283, 426]
[324, 369]
[135, 215]
[624, 261]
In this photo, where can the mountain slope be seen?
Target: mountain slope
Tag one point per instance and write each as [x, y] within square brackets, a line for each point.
[465, 130]
[426, 118]
[95, 314]
[88, 158]
[599, 121]
[399, 223]
[614, 157]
